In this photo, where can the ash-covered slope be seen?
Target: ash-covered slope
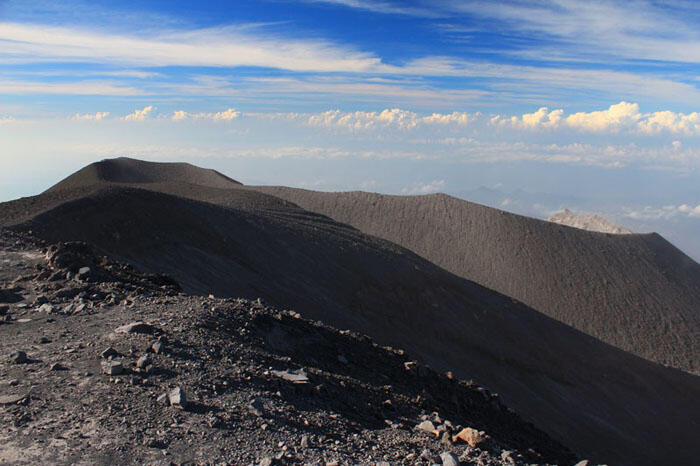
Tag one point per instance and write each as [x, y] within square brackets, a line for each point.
[590, 222]
[636, 292]
[605, 404]
[353, 401]
[126, 170]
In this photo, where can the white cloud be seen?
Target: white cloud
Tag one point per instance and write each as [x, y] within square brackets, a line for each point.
[202, 47]
[425, 188]
[618, 116]
[623, 116]
[377, 6]
[249, 46]
[459, 118]
[129, 74]
[690, 210]
[639, 30]
[395, 118]
[527, 82]
[139, 115]
[667, 212]
[67, 88]
[658, 122]
[180, 115]
[542, 118]
[91, 116]
[226, 115]
[401, 119]
[170, 152]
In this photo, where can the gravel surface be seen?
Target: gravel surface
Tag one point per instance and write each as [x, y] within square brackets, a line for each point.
[131, 371]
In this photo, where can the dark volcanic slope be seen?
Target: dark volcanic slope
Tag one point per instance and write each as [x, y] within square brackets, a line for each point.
[604, 403]
[218, 352]
[637, 292]
[126, 170]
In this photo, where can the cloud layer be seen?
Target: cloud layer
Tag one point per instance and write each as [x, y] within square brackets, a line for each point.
[618, 136]
[623, 116]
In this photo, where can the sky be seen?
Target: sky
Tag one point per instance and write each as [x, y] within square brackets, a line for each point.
[526, 106]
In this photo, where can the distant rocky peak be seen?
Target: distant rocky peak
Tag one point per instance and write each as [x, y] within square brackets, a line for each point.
[591, 222]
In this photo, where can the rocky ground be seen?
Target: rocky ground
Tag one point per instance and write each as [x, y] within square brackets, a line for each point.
[104, 364]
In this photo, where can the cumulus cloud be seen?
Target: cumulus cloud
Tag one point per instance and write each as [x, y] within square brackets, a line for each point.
[396, 118]
[664, 213]
[91, 116]
[623, 116]
[425, 188]
[459, 118]
[690, 210]
[6, 120]
[226, 115]
[364, 120]
[618, 116]
[542, 118]
[139, 115]
[679, 123]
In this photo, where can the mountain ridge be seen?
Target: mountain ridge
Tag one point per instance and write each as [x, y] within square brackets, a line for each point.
[241, 242]
[635, 291]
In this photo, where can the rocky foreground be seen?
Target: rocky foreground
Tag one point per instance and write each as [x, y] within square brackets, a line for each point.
[104, 364]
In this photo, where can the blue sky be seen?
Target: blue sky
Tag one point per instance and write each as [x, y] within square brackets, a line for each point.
[590, 102]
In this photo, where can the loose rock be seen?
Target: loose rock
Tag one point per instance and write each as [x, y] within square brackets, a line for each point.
[57, 366]
[296, 377]
[177, 398]
[135, 327]
[426, 426]
[47, 308]
[157, 347]
[256, 407]
[6, 400]
[449, 459]
[109, 353]
[19, 357]
[471, 436]
[84, 274]
[143, 362]
[113, 367]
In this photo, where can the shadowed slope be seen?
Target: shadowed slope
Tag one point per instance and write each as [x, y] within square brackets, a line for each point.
[637, 292]
[126, 170]
[599, 400]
